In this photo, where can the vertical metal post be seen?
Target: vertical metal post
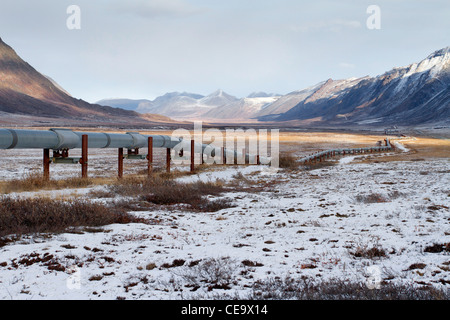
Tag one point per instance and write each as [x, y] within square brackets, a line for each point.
[168, 160]
[192, 155]
[84, 156]
[46, 163]
[150, 156]
[120, 166]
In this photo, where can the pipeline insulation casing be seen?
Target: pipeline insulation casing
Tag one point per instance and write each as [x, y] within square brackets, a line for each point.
[60, 139]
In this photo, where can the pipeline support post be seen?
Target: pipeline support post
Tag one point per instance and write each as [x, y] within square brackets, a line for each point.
[46, 163]
[150, 157]
[84, 156]
[168, 160]
[120, 165]
[224, 156]
[192, 155]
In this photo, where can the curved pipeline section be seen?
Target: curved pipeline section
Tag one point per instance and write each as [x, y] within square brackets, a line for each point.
[60, 139]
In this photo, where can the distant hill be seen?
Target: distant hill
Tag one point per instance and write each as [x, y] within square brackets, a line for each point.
[127, 104]
[191, 106]
[27, 94]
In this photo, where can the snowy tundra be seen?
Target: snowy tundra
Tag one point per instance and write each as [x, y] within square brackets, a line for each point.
[373, 222]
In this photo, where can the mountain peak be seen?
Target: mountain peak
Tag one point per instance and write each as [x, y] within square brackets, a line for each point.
[218, 93]
[440, 53]
[7, 54]
[221, 95]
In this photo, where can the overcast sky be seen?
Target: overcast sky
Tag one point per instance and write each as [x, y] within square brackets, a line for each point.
[145, 48]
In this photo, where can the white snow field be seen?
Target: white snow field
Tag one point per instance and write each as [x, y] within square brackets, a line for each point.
[320, 223]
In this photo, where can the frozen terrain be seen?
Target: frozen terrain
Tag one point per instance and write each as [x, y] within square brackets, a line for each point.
[314, 223]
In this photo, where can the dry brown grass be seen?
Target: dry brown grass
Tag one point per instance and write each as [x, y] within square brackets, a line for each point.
[40, 215]
[419, 149]
[309, 142]
[288, 161]
[34, 182]
[162, 189]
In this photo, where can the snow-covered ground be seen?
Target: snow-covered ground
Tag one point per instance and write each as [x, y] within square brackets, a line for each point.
[19, 163]
[294, 223]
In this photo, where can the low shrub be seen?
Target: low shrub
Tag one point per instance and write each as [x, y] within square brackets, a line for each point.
[438, 247]
[378, 197]
[288, 161]
[371, 198]
[368, 252]
[212, 272]
[161, 190]
[34, 181]
[336, 289]
[40, 215]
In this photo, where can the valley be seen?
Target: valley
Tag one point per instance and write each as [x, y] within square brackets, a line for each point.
[376, 222]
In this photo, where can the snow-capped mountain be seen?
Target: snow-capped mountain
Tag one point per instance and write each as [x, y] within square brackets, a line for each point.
[186, 105]
[217, 99]
[417, 93]
[177, 105]
[244, 108]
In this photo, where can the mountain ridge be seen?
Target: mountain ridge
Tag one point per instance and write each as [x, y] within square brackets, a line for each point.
[414, 94]
[26, 92]
[409, 95]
